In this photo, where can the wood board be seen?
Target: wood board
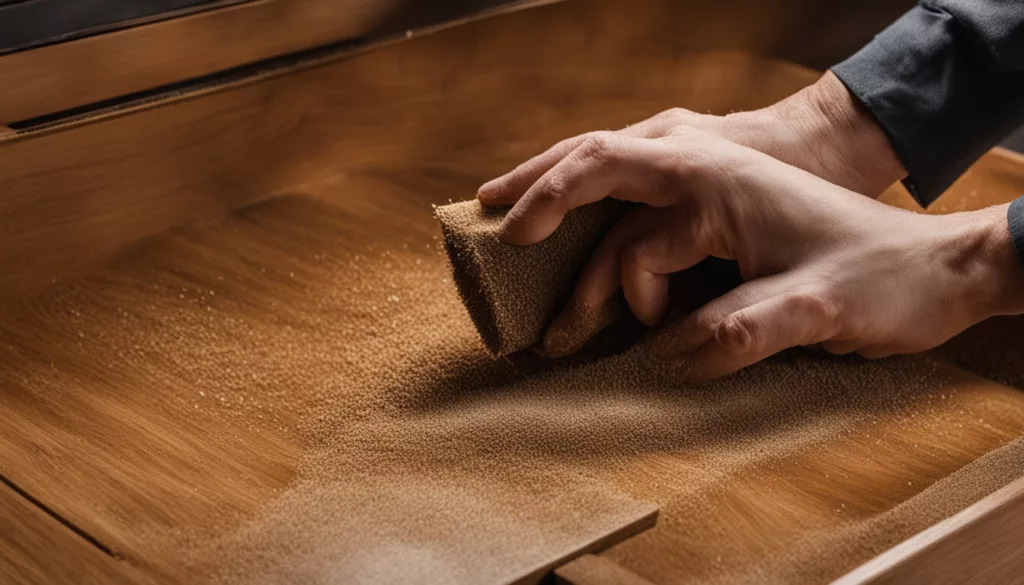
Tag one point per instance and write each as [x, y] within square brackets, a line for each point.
[91, 70]
[595, 570]
[981, 544]
[36, 549]
[156, 486]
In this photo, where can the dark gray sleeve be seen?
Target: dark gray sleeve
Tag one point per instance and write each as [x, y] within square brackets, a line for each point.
[945, 83]
[1016, 217]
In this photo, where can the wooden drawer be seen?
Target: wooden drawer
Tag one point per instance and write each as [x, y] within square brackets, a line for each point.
[228, 349]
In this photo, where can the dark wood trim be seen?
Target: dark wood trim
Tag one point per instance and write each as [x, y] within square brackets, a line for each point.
[97, 68]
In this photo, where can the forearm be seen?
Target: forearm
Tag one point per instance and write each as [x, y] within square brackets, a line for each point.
[824, 130]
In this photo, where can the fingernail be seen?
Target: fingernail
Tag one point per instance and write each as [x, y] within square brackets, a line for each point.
[488, 191]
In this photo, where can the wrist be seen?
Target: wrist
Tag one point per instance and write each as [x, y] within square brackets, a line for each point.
[993, 272]
[824, 130]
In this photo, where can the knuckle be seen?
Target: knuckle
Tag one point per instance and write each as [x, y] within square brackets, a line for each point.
[638, 251]
[598, 146]
[554, 190]
[817, 306]
[675, 115]
[740, 334]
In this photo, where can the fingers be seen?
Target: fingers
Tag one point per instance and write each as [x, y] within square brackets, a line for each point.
[647, 259]
[842, 346]
[604, 165]
[577, 323]
[698, 328]
[756, 320]
[637, 255]
[751, 334]
[877, 352]
[509, 188]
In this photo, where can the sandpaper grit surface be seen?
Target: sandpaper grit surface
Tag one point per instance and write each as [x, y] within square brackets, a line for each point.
[344, 422]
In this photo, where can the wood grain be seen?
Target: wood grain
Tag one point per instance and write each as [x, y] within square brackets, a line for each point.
[572, 558]
[36, 549]
[439, 100]
[172, 400]
[979, 545]
[596, 570]
[67, 75]
[91, 70]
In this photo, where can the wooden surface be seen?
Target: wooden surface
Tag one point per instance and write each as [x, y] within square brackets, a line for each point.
[596, 570]
[87, 71]
[36, 549]
[440, 100]
[584, 555]
[67, 75]
[31, 23]
[148, 404]
[73, 74]
[981, 544]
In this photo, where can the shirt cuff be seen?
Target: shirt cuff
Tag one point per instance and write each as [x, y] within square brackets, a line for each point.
[938, 95]
[1015, 215]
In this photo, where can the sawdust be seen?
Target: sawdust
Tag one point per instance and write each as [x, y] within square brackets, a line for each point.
[353, 428]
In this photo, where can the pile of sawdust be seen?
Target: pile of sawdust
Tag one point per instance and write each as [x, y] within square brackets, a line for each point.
[328, 341]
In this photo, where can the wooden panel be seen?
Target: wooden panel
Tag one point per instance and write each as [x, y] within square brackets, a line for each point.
[72, 74]
[981, 544]
[36, 549]
[596, 570]
[437, 100]
[30, 23]
[206, 396]
[219, 408]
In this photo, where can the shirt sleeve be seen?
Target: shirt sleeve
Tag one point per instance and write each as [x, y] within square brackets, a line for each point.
[945, 83]
[1016, 217]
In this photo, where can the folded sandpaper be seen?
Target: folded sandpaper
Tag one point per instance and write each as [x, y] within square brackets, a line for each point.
[512, 293]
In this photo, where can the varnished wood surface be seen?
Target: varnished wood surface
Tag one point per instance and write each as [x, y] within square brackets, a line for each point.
[440, 100]
[73, 74]
[36, 549]
[596, 570]
[979, 545]
[67, 75]
[108, 423]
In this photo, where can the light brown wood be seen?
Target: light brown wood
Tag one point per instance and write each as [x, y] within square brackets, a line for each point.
[111, 416]
[440, 100]
[585, 556]
[981, 544]
[596, 570]
[67, 75]
[36, 549]
[96, 68]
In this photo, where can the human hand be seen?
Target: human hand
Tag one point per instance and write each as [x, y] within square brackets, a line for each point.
[821, 264]
[821, 129]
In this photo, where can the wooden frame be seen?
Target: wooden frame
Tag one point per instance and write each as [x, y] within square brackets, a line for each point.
[183, 157]
[68, 75]
[981, 544]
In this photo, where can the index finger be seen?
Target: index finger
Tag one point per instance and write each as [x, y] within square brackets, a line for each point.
[510, 187]
[606, 165]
